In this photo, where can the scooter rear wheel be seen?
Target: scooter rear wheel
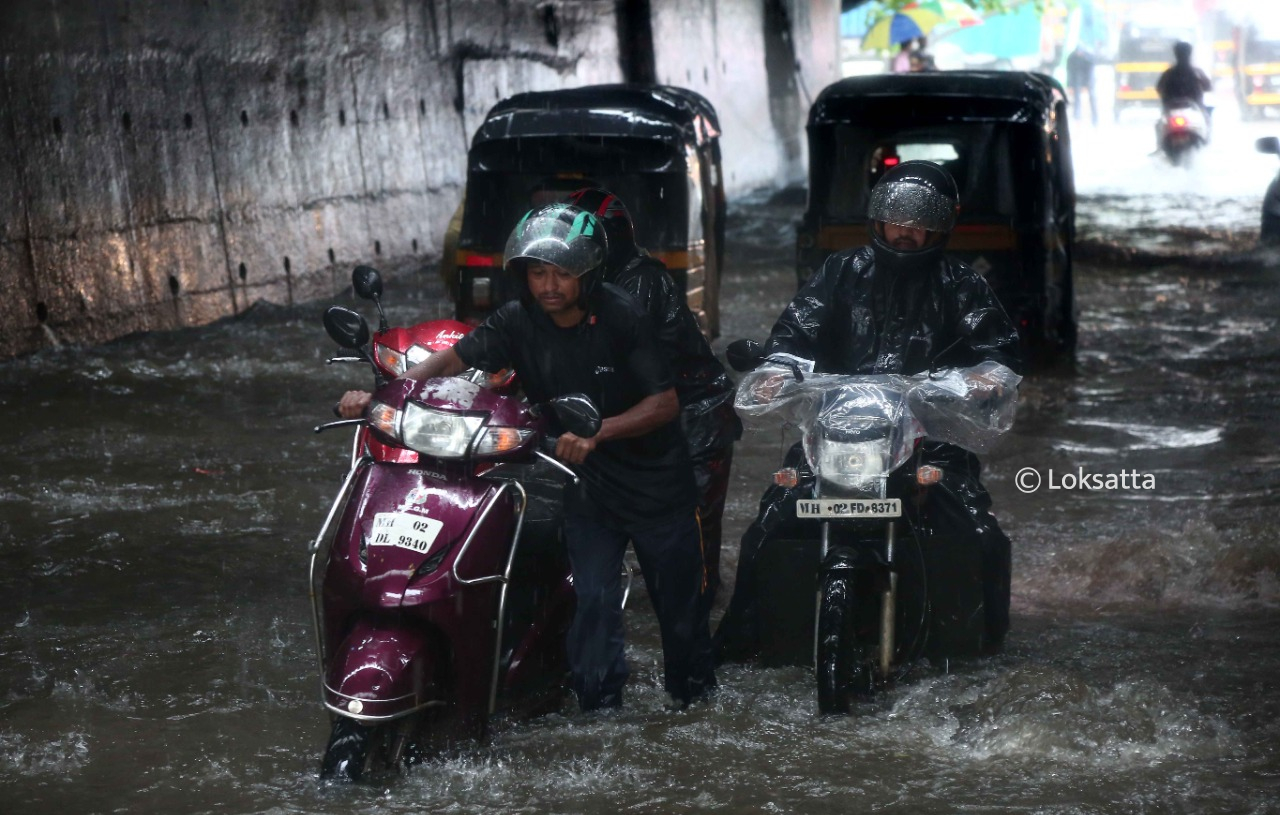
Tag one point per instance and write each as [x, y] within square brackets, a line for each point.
[846, 670]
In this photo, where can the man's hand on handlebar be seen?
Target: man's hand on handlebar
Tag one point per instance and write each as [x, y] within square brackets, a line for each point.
[354, 404]
[983, 385]
[573, 449]
[767, 387]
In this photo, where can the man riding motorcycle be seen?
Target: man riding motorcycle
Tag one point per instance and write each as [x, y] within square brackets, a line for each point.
[1183, 82]
[899, 307]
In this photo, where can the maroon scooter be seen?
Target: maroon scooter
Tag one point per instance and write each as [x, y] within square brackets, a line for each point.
[441, 589]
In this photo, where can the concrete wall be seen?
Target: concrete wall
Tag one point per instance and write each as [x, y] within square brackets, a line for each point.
[168, 162]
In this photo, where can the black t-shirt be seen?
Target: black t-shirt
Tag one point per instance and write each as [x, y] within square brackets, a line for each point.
[613, 356]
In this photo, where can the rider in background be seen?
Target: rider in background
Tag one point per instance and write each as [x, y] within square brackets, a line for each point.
[898, 306]
[1183, 81]
[705, 390]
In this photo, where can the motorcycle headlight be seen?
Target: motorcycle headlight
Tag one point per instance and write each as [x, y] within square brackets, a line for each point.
[393, 360]
[853, 465]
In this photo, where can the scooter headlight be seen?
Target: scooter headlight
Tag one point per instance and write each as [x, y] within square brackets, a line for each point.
[431, 432]
[853, 465]
[438, 433]
[398, 362]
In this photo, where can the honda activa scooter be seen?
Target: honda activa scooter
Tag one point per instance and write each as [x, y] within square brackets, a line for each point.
[847, 583]
[441, 592]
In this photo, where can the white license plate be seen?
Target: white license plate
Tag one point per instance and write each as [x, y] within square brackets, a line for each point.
[416, 532]
[846, 508]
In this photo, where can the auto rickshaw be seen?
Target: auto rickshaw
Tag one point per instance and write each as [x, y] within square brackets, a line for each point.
[655, 147]
[1143, 54]
[1258, 69]
[1003, 136]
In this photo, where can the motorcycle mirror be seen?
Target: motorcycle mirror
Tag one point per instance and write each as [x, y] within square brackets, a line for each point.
[577, 414]
[1268, 144]
[744, 355]
[346, 327]
[367, 282]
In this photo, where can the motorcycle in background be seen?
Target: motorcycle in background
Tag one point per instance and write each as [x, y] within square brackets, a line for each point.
[1181, 130]
[846, 583]
[440, 590]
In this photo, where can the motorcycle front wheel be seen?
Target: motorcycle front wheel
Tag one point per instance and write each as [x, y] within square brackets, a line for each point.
[846, 667]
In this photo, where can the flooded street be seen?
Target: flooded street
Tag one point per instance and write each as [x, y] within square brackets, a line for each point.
[157, 496]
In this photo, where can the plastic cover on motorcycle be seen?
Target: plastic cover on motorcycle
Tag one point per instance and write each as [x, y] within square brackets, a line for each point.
[970, 407]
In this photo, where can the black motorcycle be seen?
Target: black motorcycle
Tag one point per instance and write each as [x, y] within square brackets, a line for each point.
[846, 581]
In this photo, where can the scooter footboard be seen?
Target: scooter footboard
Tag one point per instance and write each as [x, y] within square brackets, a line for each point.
[383, 670]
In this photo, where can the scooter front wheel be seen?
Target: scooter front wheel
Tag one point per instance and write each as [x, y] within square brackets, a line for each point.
[845, 667]
[347, 756]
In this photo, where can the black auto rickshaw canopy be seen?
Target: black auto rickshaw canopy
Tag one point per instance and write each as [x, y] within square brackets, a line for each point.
[1001, 134]
[656, 147]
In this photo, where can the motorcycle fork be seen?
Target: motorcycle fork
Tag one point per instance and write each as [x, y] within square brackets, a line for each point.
[888, 601]
[888, 595]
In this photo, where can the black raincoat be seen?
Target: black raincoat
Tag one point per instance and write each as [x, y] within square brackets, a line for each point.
[854, 318]
[703, 387]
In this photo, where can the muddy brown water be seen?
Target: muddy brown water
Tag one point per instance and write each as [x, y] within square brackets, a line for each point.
[157, 495]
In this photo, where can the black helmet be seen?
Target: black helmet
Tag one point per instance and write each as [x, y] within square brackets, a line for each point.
[560, 234]
[917, 194]
[617, 222]
[1182, 51]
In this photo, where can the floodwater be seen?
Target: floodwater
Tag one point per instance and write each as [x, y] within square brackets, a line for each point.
[157, 496]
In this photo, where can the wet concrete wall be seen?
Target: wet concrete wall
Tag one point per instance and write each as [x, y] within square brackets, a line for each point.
[164, 164]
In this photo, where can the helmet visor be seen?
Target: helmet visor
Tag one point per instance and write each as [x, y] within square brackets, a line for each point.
[562, 235]
[907, 203]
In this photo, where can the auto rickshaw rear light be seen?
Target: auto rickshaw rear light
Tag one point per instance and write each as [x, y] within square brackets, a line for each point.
[480, 260]
[927, 475]
[891, 161]
[1179, 121]
[787, 477]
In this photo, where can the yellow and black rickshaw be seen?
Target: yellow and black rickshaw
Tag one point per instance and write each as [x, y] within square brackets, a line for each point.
[655, 147]
[1003, 137]
[1142, 55]
[1258, 69]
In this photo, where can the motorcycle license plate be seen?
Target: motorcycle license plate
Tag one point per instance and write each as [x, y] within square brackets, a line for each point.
[416, 532]
[846, 508]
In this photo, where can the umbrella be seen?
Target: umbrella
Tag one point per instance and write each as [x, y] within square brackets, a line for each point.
[902, 26]
[952, 12]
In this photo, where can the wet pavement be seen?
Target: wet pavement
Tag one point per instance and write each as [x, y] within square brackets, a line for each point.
[157, 496]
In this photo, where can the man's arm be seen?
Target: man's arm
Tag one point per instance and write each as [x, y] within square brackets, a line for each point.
[644, 416]
[441, 363]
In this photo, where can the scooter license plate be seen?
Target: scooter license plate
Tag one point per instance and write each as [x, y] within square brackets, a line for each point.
[416, 532]
[846, 508]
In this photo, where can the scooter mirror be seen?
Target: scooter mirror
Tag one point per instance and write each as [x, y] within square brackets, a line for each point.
[367, 282]
[1268, 144]
[577, 414]
[744, 355]
[346, 327]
